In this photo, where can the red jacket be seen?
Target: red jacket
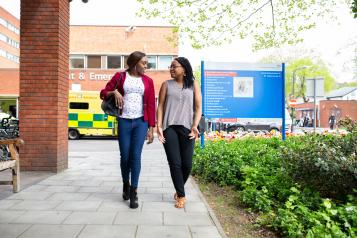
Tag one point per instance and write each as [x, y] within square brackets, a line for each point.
[149, 94]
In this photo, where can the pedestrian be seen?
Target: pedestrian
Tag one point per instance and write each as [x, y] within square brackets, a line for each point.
[306, 120]
[332, 121]
[178, 115]
[135, 97]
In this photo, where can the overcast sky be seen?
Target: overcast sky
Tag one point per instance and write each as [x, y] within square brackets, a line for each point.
[330, 41]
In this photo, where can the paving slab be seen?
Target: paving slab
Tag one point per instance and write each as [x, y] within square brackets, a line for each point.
[42, 217]
[68, 196]
[95, 218]
[12, 230]
[204, 232]
[52, 231]
[9, 216]
[163, 232]
[4, 204]
[79, 206]
[140, 218]
[108, 231]
[34, 205]
[188, 219]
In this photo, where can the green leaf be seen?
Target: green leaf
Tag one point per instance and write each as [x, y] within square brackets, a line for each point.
[327, 203]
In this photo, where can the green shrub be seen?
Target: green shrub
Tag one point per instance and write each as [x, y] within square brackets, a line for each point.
[218, 162]
[349, 124]
[324, 162]
[296, 219]
[222, 161]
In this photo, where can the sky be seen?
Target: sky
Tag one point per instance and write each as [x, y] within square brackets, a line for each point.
[331, 41]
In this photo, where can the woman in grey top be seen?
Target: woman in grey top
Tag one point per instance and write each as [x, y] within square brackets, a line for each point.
[178, 114]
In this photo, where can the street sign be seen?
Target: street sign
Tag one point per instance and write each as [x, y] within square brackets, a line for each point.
[292, 102]
[318, 85]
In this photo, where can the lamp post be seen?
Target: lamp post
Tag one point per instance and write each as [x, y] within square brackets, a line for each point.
[293, 94]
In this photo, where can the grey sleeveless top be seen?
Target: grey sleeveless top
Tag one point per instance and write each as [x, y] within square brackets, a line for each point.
[178, 108]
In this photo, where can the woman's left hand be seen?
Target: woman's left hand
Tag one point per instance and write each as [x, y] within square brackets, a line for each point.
[194, 133]
[150, 136]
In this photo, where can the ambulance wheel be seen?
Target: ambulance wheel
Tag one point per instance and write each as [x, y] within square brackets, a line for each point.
[73, 134]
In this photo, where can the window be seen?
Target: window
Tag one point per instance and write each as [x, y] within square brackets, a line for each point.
[76, 61]
[114, 62]
[94, 61]
[13, 43]
[164, 62]
[79, 105]
[9, 56]
[125, 61]
[2, 53]
[9, 26]
[12, 57]
[8, 40]
[3, 37]
[3, 22]
[151, 62]
[13, 28]
[104, 61]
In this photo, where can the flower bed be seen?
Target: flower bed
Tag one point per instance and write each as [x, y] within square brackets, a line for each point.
[223, 135]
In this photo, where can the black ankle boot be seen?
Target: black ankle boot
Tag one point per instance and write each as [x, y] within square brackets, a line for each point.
[126, 191]
[133, 198]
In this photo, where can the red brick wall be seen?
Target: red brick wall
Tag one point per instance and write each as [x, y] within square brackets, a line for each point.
[114, 39]
[340, 108]
[44, 84]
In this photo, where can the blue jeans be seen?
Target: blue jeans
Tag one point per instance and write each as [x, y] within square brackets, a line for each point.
[132, 134]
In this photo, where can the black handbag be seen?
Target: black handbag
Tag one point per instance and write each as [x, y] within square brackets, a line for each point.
[109, 106]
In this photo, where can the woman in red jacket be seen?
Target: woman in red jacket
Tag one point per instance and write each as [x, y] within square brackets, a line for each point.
[135, 97]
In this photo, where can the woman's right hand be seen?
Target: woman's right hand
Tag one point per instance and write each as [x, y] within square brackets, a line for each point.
[160, 135]
[119, 100]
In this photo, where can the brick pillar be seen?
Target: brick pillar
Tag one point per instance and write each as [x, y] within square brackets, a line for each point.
[44, 55]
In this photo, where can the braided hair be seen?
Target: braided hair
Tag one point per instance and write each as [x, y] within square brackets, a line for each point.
[188, 77]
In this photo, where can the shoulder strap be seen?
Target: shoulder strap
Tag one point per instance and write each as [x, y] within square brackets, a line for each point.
[119, 80]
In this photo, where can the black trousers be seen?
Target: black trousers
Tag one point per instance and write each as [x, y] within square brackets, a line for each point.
[179, 151]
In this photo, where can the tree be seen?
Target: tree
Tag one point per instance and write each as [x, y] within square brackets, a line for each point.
[350, 84]
[354, 8]
[212, 22]
[313, 69]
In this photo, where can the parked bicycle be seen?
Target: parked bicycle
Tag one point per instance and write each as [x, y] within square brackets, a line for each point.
[9, 127]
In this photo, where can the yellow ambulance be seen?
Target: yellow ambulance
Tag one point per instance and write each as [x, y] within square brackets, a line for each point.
[86, 118]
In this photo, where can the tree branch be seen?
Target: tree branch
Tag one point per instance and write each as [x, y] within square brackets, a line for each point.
[272, 15]
[246, 19]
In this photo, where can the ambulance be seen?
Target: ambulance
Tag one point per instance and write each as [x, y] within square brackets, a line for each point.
[86, 118]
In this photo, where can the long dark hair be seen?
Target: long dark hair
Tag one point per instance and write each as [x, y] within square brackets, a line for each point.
[188, 78]
[134, 58]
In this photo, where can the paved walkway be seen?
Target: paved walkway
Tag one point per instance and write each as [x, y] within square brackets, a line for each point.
[85, 200]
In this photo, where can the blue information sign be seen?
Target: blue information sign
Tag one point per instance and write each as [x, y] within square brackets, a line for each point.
[243, 90]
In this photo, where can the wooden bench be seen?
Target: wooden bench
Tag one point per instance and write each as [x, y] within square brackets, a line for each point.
[13, 162]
